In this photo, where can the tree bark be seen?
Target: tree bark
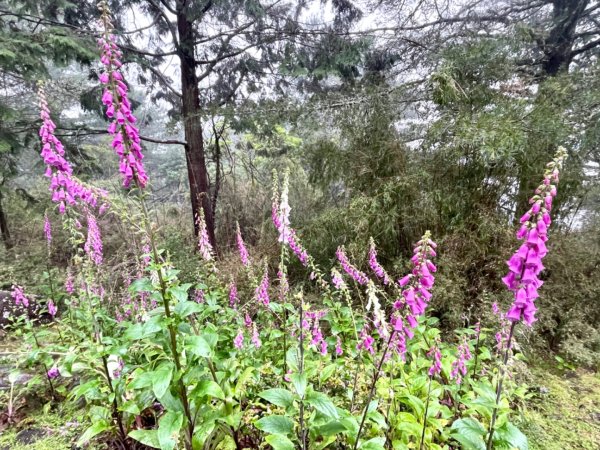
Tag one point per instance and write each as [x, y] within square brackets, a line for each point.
[8, 243]
[558, 46]
[192, 124]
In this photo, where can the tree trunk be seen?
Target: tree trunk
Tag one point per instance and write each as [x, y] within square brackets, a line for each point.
[558, 46]
[8, 243]
[192, 124]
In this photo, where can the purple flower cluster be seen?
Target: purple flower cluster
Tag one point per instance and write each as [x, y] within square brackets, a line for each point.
[52, 309]
[233, 294]
[280, 213]
[366, 340]
[242, 247]
[255, 337]
[526, 264]
[19, 296]
[436, 366]
[317, 334]
[459, 368]
[204, 247]
[53, 373]
[417, 285]
[69, 282]
[47, 229]
[238, 341]
[262, 290]
[337, 280]
[374, 264]
[93, 244]
[65, 188]
[126, 136]
[356, 274]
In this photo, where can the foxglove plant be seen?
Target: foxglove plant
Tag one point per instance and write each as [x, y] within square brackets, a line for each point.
[374, 264]
[126, 136]
[526, 264]
[93, 244]
[241, 246]
[355, 274]
[204, 246]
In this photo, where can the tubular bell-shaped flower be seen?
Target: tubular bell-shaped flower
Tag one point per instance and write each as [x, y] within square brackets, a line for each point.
[242, 246]
[417, 285]
[262, 290]
[356, 274]
[93, 244]
[65, 187]
[526, 264]
[126, 136]
[19, 296]
[204, 247]
[280, 213]
[374, 264]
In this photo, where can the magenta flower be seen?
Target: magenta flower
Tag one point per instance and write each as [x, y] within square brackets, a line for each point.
[126, 136]
[242, 246]
[436, 366]
[338, 347]
[374, 264]
[356, 274]
[93, 244]
[366, 340]
[204, 247]
[337, 280]
[238, 342]
[233, 294]
[53, 373]
[19, 296]
[69, 282]
[526, 264]
[199, 296]
[65, 188]
[459, 368]
[52, 310]
[47, 229]
[417, 285]
[262, 290]
[255, 337]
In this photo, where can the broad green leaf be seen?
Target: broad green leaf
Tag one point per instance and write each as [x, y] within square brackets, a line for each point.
[279, 442]
[323, 404]
[470, 433]
[97, 428]
[275, 425]
[198, 346]
[327, 372]
[180, 293]
[513, 436]
[331, 428]
[210, 388]
[184, 309]
[376, 443]
[299, 382]
[279, 397]
[141, 285]
[169, 426]
[131, 407]
[146, 437]
[161, 378]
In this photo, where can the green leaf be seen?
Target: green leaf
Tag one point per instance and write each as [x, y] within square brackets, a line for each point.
[323, 404]
[331, 428]
[470, 433]
[275, 425]
[97, 428]
[146, 437]
[180, 293]
[131, 407]
[376, 443]
[161, 378]
[279, 442]
[299, 382]
[168, 429]
[210, 388]
[327, 372]
[198, 346]
[279, 397]
[184, 309]
[141, 285]
[513, 436]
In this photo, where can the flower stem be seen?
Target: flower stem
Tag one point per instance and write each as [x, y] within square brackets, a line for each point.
[372, 390]
[425, 414]
[499, 386]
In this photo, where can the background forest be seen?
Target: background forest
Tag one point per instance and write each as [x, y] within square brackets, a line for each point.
[393, 117]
